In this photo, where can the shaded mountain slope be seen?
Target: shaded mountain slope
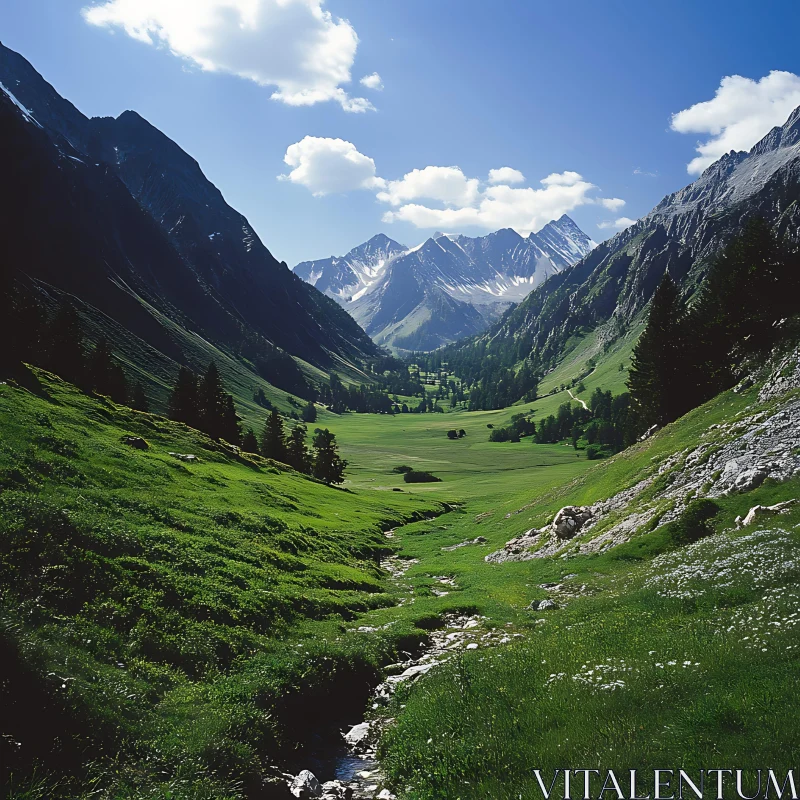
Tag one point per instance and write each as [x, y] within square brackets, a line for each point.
[115, 213]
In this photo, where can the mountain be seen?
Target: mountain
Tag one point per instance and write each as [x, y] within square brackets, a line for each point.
[343, 278]
[448, 287]
[609, 288]
[114, 213]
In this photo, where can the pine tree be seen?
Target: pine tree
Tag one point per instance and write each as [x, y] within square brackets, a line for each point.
[273, 441]
[328, 466]
[211, 401]
[297, 454]
[183, 402]
[249, 442]
[229, 424]
[139, 400]
[658, 375]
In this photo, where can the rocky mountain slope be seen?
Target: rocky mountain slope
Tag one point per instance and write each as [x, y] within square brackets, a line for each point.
[116, 214]
[449, 287]
[616, 280]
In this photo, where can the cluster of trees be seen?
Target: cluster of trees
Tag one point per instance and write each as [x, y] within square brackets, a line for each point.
[56, 342]
[362, 399]
[204, 404]
[489, 371]
[456, 434]
[322, 461]
[687, 355]
[606, 426]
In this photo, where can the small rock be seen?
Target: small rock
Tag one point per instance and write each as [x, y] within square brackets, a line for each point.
[385, 794]
[542, 605]
[185, 457]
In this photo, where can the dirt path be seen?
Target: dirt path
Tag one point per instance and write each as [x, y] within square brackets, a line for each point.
[577, 399]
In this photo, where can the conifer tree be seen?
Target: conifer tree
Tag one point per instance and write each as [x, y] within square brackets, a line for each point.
[211, 401]
[657, 379]
[328, 466]
[183, 402]
[297, 454]
[249, 442]
[229, 424]
[139, 400]
[273, 441]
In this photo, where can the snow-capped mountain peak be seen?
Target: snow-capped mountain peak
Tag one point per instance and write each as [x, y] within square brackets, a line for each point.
[396, 293]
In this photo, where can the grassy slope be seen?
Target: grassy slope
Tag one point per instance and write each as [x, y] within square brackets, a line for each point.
[152, 606]
[477, 728]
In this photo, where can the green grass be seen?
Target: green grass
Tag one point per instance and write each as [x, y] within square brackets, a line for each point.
[218, 602]
[153, 606]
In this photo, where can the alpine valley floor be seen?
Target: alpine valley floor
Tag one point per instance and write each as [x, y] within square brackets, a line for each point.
[229, 610]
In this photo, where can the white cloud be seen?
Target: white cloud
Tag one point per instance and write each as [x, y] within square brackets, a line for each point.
[645, 173]
[524, 209]
[446, 185]
[611, 203]
[326, 166]
[617, 224]
[295, 46]
[372, 82]
[741, 113]
[506, 175]
[441, 197]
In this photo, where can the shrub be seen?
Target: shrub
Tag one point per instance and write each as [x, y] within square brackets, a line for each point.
[452, 434]
[420, 477]
[693, 523]
[403, 469]
[594, 452]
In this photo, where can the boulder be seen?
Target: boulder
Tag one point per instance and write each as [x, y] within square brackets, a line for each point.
[306, 785]
[357, 734]
[136, 442]
[570, 520]
[749, 479]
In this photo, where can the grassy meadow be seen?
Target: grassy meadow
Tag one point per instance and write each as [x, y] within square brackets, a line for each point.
[214, 624]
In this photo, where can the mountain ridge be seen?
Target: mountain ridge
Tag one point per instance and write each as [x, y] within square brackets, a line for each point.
[389, 289]
[136, 230]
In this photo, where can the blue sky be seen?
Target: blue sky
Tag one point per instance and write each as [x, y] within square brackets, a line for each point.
[583, 92]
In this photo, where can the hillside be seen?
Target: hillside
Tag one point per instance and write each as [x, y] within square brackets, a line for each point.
[114, 214]
[449, 287]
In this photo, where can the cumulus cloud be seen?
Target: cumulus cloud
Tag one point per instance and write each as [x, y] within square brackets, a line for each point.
[611, 203]
[295, 46]
[506, 175]
[441, 197]
[446, 185]
[741, 113]
[328, 166]
[373, 81]
[616, 224]
[524, 209]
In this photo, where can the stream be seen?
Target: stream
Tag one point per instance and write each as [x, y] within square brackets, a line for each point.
[342, 762]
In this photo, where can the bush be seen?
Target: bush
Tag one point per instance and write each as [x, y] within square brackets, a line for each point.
[403, 469]
[594, 452]
[420, 477]
[693, 523]
[452, 434]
